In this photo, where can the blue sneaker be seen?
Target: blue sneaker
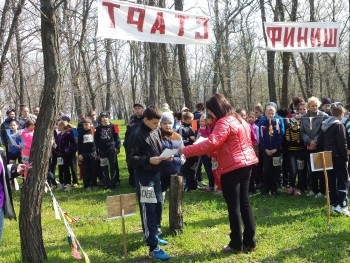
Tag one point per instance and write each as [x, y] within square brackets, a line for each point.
[162, 242]
[158, 253]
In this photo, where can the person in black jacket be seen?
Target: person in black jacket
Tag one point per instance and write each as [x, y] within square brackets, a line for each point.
[144, 150]
[334, 139]
[108, 146]
[7, 172]
[87, 154]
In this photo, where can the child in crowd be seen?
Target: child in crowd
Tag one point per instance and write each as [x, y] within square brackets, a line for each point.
[191, 164]
[170, 140]
[26, 138]
[254, 182]
[204, 131]
[108, 146]
[66, 148]
[334, 138]
[144, 151]
[14, 153]
[310, 131]
[87, 154]
[271, 135]
[177, 121]
[296, 158]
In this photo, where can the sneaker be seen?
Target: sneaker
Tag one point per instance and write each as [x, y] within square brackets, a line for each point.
[319, 195]
[297, 192]
[311, 193]
[290, 190]
[342, 210]
[68, 187]
[158, 253]
[88, 189]
[208, 189]
[334, 208]
[75, 185]
[162, 242]
[59, 187]
[202, 184]
[218, 192]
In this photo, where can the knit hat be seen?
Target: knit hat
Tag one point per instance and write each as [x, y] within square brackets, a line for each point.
[167, 116]
[326, 101]
[273, 104]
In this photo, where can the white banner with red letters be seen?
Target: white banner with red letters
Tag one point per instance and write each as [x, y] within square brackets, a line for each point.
[123, 20]
[303, 37]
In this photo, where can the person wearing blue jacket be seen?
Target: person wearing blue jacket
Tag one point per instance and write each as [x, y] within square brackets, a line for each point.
[271, 130]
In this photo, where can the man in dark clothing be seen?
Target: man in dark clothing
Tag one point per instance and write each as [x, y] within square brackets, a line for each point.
[144, 150]
[5, 128]
[134, 119]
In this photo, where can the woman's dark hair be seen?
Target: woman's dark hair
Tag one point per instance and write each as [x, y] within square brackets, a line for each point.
[200, 106]
[219, 106]
[29, 123]
[152, 112]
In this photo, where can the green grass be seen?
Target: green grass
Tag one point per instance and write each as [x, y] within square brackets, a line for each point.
[289, 229]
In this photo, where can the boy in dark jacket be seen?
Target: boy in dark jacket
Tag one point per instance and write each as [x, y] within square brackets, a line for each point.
[144, 151]
[190, 167]
[334, 139]
[87, 154]
[108, 146]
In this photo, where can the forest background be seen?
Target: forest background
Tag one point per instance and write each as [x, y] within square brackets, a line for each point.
[106, 74]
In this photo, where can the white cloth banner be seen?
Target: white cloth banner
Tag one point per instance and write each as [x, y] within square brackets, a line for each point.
[123, 20]
[303, 37]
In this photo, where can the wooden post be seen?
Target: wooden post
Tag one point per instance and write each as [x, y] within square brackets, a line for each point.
[175, 204]
[124, 236]
[327, 188]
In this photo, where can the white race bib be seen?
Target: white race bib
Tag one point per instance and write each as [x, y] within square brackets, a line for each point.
[147, 194]
[276, 161]
[59, 161]
[300, 164]
[104, 162]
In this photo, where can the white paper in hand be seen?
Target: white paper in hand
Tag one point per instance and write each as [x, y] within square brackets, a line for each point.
[168, 153]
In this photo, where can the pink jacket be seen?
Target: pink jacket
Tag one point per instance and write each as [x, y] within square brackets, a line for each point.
[231, 140]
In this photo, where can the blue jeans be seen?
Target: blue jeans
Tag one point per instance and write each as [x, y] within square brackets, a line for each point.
[338, 182]
[2, 218]
[296, 168]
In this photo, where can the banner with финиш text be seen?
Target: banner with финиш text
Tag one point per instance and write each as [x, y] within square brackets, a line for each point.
[302, 37]
[123, 20]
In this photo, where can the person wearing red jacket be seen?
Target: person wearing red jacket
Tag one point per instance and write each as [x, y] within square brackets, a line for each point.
[231, 140]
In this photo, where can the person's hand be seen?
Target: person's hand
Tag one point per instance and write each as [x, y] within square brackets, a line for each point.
[170, 158]
[80, 157]
[273, 151]
[268, 152]
[117, 151]
[21, 168]
[156, 160]
[192, 138]
[180, 150]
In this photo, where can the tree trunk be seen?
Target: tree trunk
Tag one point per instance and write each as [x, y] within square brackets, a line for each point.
[175, 204]
[32, 193]
[108, 74]
[164, 69]
[348, 93]
[270, 59]
[3, 28]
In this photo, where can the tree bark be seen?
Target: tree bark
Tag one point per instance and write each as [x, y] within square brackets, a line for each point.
[175, 204]
[108, 74]
[32, 193]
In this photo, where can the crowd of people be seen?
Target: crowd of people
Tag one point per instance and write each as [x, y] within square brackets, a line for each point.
[263, 151]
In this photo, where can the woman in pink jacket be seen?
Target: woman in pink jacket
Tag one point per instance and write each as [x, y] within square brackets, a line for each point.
[231, 140]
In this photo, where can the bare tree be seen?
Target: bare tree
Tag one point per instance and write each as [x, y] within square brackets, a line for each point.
[32, 193]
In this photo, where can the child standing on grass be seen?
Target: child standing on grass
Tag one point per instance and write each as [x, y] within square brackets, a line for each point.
[144, 151]
[204, 131]
[188, 137]
[334, 139]
[271, 135]
[87, 154]
[14, 153]
[108, 146]
[26, 136]
[66, 148]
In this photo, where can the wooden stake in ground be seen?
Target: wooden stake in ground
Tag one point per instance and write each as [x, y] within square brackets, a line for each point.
[327, 187]
[121, 206]
[175, 204]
